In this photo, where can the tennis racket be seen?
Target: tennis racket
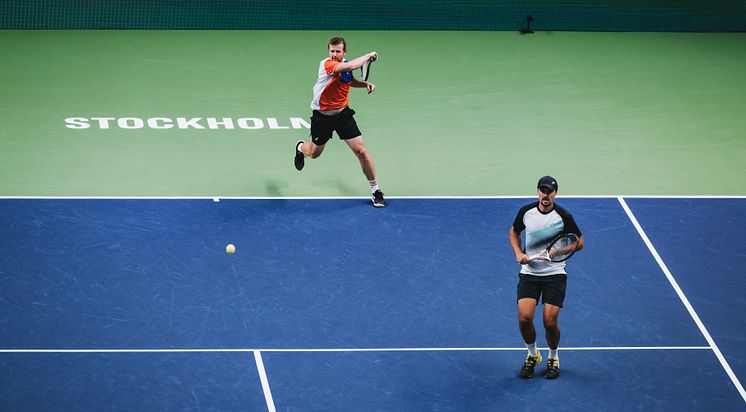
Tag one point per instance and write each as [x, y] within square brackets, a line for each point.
[560, 249]
[365, 68]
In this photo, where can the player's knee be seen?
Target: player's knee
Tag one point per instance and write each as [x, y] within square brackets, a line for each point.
[550, 324]
[525, 320]
[361, 153]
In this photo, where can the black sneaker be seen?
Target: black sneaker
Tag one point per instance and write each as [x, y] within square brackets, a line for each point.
[299, 159]
[527, 370]
[378, 200]
[552, 371]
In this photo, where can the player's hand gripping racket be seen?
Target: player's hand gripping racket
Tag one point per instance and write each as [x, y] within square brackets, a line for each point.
[365, 68]
[560, 249]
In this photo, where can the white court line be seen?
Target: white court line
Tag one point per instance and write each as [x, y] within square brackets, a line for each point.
[255, 351]
[684, 299]
[361, 197]
[265, 381]
[521, 349]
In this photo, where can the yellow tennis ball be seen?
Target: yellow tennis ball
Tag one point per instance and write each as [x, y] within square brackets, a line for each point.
[230, 248]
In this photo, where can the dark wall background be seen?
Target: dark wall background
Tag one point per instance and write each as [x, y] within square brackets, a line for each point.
[570, 15]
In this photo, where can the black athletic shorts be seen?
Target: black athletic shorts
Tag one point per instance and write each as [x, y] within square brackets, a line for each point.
[343, 123]
[551, 288]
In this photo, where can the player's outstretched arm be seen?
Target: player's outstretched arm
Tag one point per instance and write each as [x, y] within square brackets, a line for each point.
[354, 63]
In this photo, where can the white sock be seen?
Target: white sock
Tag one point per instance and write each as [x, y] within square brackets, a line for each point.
[298, 147]
[553, 353]
[531, 348]
[373, 185]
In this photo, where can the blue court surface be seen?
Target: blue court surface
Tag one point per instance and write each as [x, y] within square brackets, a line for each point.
[332, 305]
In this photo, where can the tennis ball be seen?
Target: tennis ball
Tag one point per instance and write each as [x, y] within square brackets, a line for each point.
[230, 248]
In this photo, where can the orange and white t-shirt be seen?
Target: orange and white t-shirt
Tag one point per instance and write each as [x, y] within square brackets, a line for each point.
[330, 92]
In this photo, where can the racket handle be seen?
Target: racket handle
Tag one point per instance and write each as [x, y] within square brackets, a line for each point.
[540, 256]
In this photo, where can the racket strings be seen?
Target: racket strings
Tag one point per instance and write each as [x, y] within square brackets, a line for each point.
[563, 248]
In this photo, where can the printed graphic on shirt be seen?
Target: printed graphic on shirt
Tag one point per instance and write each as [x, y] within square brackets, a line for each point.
[539, 239]
[330, 91]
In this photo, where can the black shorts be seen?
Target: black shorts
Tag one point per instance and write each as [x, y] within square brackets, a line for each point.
[551, 288]
[343, 123]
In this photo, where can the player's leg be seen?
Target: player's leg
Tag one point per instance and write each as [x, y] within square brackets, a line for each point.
[310, 149]
[346, 128]
[357, 145]
[321, 132]
[348, 131]
[526, 309]
[553, 298]
[528, 293]
[551, 316]
[551, 326]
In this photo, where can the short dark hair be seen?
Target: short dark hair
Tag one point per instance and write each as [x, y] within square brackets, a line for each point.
[337, 40]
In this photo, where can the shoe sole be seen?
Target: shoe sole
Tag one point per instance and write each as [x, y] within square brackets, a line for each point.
[377, 204]
[551, 377]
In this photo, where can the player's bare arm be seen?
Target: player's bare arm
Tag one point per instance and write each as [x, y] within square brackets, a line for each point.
[359, 83]
[354, 64]
[581, 243]
[515, 243]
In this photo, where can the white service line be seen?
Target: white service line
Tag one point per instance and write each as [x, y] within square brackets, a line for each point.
[303, 350]
[684, 299]
[475, 197]
[265, 381]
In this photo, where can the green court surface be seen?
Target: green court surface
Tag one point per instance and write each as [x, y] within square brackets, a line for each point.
[455, 113]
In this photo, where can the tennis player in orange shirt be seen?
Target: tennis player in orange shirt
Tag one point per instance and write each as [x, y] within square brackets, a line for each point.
[331, 112]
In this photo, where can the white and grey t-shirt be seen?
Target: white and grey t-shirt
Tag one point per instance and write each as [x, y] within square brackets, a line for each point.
[541, 229]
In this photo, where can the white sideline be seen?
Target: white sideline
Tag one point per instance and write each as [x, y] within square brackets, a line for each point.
[265, 381]
[684, 299]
